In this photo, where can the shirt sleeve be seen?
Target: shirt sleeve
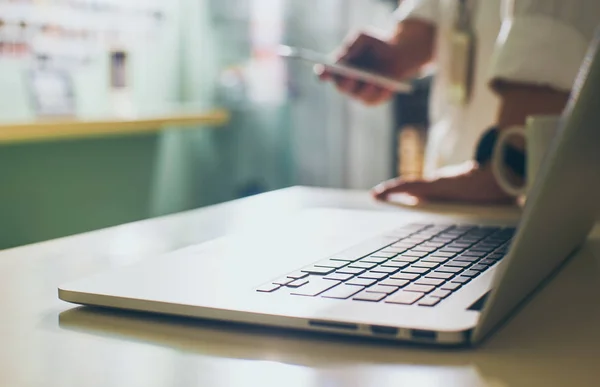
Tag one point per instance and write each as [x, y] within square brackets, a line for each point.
[426, 10]
[544, 42]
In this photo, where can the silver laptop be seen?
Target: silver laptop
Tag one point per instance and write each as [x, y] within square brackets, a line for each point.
[418, 278]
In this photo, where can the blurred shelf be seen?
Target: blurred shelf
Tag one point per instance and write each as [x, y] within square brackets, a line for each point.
[102, 127]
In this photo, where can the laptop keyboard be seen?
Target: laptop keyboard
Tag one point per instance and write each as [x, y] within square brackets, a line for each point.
[413, 265]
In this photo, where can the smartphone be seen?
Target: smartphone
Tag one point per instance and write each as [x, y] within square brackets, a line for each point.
[344, 69]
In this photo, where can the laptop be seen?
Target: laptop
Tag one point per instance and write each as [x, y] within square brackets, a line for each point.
[408, 277]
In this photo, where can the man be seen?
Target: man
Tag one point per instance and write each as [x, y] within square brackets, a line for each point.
[497, 62]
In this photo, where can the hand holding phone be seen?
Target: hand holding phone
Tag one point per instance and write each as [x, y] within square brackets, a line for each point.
[369, 80]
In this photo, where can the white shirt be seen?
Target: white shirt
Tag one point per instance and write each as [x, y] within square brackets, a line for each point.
[539, 42]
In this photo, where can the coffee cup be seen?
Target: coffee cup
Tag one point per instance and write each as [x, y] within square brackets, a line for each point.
[537, 135]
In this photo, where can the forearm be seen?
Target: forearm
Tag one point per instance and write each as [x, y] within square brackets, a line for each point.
[414, 40]
[520, 100]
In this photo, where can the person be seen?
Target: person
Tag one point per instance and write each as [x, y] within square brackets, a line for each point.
[496, 63]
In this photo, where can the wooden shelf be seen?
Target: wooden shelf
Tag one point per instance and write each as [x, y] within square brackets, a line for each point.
[84, 128]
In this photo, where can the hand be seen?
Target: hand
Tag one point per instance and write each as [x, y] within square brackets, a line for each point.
[401, 57]
[369, 53]
[467, 183]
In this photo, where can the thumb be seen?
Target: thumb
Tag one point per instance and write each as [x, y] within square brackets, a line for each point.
[359, 48]
[418, 188]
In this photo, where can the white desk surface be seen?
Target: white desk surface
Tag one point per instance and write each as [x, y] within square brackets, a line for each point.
[553, 341]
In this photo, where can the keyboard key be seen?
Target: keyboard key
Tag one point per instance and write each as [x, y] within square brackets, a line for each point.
[482, 249]
[429, 281]
[435, 259]
[428, 265]
[386, 269]
[440, 293]
[382, 289]
[461, 280]
[440, 240]
[350, 270]
[315, 287]
[416, 270]
[413, 253]
[470, 273]
[331, 263]
[399, 265]
[425, 249]
[487, 262]
[419, 288]
[429, 301]
[372, 259]
[468, 239]
[435, 245]
[495, 241]
[404, 298]
[268, 288]
[495, 256]
[361, 282]
[404, 245]
[383, 254]
[297, 283]
[397, 283]
[405, 276]
[395, 250]
[454, 263]
[373, 275]
[440, 275]
[362, 250]
[342, 292]
[363, 265]
[459, 245]
[339, 277]
[297, 275]
[462, 258]
[443, 254]
[477, 254]
[447, 269]
[318, 270]
[403, 258]
[415, 239]
[450, 286]
[451, 250]
[479, 267]
[283, 281]
[371, 297]
[486, 244]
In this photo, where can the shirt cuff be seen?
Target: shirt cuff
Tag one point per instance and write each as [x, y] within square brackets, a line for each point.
[426, 10]
[538, 50]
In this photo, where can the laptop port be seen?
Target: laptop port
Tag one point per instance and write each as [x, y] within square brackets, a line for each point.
[333, 325]
[424, 335]
[384, 331]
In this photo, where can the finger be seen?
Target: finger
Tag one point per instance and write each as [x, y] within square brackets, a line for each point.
[381, 191]
[348, 85]
[373, 95]
[322, 72]
[359, 49]
[418, 188]
[384, 96]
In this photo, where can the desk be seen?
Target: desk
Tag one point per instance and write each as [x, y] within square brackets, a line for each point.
[554, 341]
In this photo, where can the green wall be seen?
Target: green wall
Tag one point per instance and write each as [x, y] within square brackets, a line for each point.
[61, 188]
[58, 188]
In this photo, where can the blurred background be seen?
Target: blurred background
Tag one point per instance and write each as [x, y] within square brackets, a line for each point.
[85, 60]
